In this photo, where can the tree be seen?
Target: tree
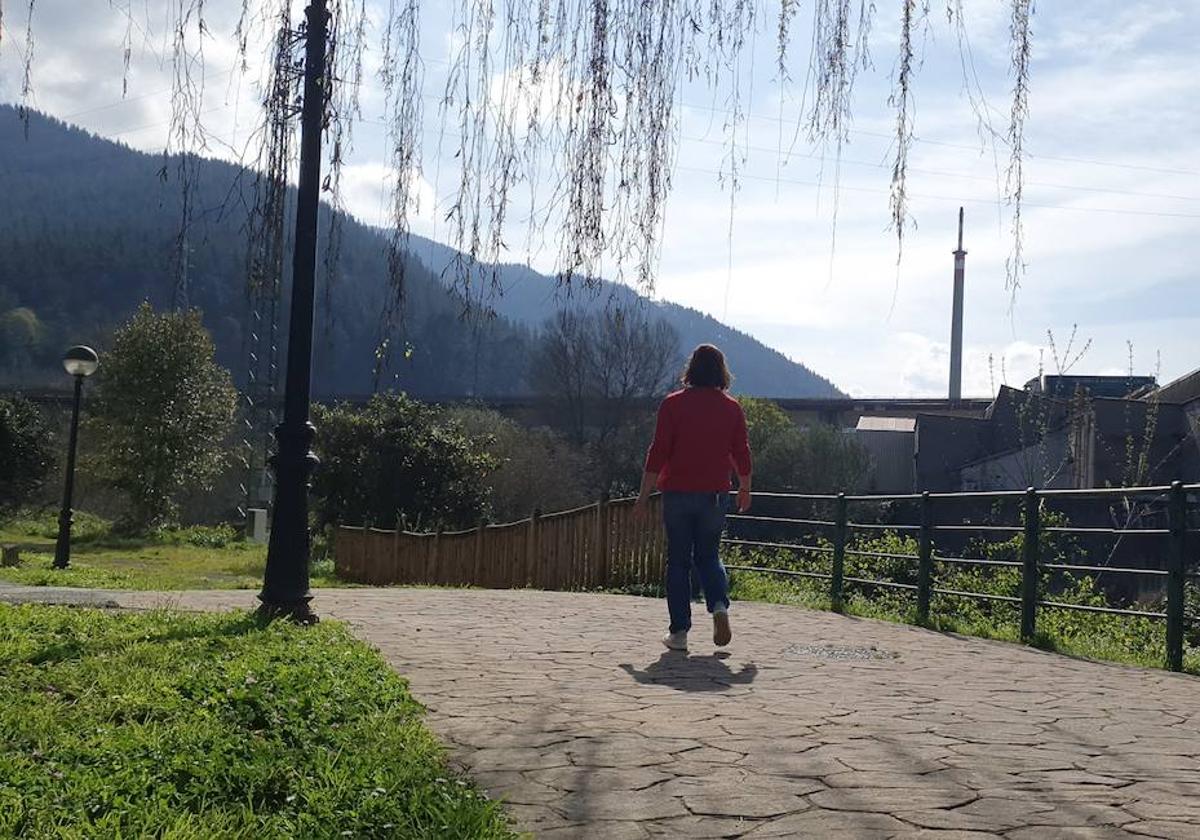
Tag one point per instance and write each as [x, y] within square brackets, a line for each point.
[818, 459]
[398, 457]
[164, 410]
[598, 373]
[21, 338]
[533, 468]
[26, 452]
[765, 421]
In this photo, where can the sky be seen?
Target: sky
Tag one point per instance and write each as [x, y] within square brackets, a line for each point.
[1112, 183]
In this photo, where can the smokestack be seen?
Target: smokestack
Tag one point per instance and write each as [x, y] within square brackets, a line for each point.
[956, 323]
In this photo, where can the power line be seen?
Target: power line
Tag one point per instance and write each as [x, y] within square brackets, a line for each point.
[886, 136]
[943, 173]
[1108, 210]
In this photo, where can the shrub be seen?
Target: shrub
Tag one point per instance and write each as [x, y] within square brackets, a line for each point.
[26, 452]
[398, 457]
[818, 459]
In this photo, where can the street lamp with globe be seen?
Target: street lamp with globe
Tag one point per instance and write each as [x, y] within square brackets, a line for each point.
[80, 362]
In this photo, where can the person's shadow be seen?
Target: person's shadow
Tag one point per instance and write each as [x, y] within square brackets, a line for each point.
[678, 670]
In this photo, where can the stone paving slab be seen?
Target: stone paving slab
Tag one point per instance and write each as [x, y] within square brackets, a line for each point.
[811, 725]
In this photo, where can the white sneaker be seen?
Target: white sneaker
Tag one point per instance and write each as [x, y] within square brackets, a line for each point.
[676, 641]
[722, 634]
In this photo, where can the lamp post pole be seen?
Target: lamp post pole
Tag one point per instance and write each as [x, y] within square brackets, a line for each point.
[285, 589]
[80, 362]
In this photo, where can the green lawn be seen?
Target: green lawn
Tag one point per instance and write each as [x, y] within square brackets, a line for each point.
[186, 558]
[189, 726]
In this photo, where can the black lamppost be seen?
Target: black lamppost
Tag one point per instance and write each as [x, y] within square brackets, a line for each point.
[285, 579]
[81, 362]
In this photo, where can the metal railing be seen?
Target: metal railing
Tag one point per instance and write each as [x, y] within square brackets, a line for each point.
[603, 546]
[1175, 570]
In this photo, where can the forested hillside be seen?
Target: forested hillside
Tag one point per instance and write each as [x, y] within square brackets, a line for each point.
[88, 230]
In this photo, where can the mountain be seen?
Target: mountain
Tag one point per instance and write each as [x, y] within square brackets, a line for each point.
[88, 230]
[527, 297]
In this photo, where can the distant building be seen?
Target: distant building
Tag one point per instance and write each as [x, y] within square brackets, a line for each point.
[891, 444]
[1064, 387]
[1066, 432]
[1057, 432]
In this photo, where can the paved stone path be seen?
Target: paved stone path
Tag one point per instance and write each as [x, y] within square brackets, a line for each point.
[813, 726]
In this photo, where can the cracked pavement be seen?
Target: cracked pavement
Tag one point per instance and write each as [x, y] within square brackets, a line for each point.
[565, 706]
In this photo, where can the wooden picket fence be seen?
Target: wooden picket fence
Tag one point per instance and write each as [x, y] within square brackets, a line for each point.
[599, 546]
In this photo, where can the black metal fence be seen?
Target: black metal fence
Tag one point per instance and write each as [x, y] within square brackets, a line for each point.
[1157, 517]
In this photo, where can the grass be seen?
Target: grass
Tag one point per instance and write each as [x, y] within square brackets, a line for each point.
[199, 557]
[191, 726]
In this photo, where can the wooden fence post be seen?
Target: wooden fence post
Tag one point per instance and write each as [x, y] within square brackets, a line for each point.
[435, 559]
[837, 576]
[397, 567]
[925, 559]
[1176, 554]
[1030, 571]
[531, 572]
[477, 572]
[603, 567]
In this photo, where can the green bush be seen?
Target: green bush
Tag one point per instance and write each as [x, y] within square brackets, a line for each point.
[164, 409]
[398, 457]
[201, 536]
[1115, 637]
[817, 459]
[27, 450]
[86, 527]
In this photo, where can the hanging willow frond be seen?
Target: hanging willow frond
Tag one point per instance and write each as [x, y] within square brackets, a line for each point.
[186, 135]
[577, 100]
[400, 75]
[343, 86]
[1021, 35]
[902, 100]
[26, 69]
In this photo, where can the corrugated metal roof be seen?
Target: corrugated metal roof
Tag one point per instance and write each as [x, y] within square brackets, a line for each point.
[886, 424]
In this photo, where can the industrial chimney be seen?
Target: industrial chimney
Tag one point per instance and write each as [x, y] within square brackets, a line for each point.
[956, 323]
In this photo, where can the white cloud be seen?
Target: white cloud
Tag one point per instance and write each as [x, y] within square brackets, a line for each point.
[367, 194]
[1114, 84]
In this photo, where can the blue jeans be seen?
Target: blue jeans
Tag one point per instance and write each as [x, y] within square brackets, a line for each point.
[694, 522]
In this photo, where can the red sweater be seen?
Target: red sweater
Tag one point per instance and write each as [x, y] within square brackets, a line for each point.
[699, 439]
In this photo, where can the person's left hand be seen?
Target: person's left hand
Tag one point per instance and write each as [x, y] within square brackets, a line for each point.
[743, 500]
[641, 508]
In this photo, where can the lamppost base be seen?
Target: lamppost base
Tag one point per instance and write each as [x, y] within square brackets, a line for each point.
[62, 546]
[298, 612]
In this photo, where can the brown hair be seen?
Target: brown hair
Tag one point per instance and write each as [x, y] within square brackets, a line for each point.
[707, 369]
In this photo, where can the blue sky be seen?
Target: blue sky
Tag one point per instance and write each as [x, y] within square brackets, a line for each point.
[1113, 185]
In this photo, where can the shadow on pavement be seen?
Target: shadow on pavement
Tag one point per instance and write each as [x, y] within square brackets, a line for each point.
[684, 672]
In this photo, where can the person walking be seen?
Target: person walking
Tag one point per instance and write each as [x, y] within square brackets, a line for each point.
[699, 440]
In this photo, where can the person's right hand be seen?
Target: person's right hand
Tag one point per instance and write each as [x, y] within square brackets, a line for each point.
[743, 500]
[641, 508]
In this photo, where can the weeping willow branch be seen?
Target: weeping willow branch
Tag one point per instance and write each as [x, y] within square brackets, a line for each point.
[400, 75]
[833, 67]
[588, 88]
[343, 83]
[1021, 43]
[901, 100]
[185, 137]
[27, 69]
